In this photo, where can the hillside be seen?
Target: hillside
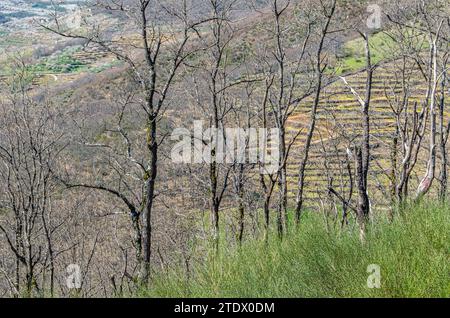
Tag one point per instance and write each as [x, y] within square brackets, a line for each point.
[339, 123]
[135, 137]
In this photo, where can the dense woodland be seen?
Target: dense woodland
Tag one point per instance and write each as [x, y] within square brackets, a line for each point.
[357, 94]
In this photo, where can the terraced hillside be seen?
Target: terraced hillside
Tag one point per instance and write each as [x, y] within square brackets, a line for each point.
[338, 126]
[66, 66]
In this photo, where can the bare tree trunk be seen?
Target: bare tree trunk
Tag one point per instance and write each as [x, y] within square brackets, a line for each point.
[282, 185]
[266, 185]
[393, 157]
[428, 179]
[362, 153]
[150, 193]
[279, 116]
[50, 254]
[443, 133]
[17, 247]
[320, 69]
[366, 128]
[152, 148]
[346, 207]
[241, 206]
[363, 207]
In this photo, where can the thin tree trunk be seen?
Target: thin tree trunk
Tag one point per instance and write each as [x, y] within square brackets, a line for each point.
[427, 181]
[282, 186]
[312, 121]
[363, 154]
[152, 146]
[241, 208]
[51, 254]
[443, 143]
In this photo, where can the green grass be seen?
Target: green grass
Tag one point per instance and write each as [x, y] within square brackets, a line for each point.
[60, 64]
[353, 59]
[413, 253]
[382, 48]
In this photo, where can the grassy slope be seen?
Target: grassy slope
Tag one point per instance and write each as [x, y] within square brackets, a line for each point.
[413, 253]
[382, 48]
[380, 45]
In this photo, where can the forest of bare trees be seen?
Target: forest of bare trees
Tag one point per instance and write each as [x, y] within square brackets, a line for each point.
[93, 204]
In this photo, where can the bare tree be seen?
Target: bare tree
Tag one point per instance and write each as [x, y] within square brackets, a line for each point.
[267, 180]
[427, 180]
[30, 146]
[444, 131]
[426, 20]
[218, 79]
[319, 70]
[285, 90]
[362, 151]
[163, 53]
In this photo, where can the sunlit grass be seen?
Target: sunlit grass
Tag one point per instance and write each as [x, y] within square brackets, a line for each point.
[413, 253]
